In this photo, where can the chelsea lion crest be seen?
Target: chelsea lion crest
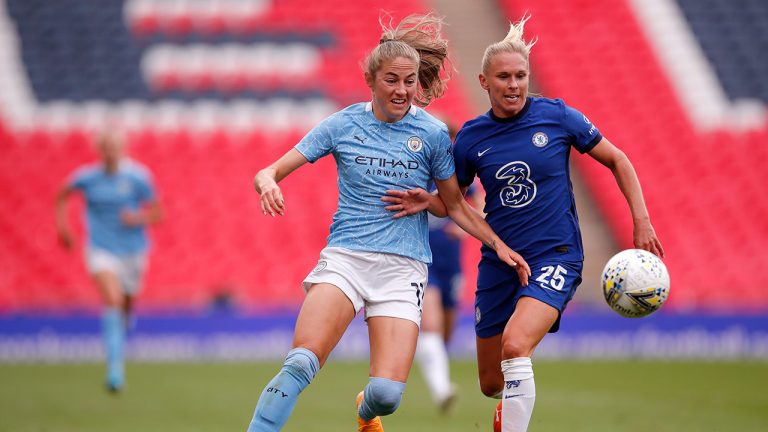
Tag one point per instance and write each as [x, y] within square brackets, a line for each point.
[415, 143]
[540, 139]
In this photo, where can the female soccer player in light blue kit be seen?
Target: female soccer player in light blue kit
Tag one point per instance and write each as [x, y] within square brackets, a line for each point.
[520, 150]
[372, 260]
[120, 202]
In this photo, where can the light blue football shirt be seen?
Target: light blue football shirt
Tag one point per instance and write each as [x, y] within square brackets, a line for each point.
[106, 197]
[371, 157]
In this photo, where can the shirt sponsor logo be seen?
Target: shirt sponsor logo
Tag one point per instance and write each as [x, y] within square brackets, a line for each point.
[383, 167]
[520, 189]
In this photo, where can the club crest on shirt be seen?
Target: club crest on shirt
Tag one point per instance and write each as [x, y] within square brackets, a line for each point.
[540, 139]
[415, 144]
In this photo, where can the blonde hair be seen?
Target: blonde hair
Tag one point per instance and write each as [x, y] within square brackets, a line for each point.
[512, 43]
[416, 37]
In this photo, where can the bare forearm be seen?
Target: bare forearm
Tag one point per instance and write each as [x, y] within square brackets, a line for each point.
[153, 213]
[437, 206]
[61, 210]
[629, 184]
[471, 221]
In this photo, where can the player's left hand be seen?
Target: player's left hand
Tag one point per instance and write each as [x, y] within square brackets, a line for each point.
[406, 202]
[644, 237]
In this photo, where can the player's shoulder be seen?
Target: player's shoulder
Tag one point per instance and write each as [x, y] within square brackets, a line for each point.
[426, 120]
[354, 110]
[473, 127]
[343, 115]
[548, 105]
[134, 168]
[88, 170]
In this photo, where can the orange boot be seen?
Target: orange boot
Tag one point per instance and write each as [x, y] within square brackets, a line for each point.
[372, 425]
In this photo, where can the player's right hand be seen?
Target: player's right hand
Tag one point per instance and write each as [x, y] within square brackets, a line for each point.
[406, 202]
[272, 199]
[514, 259]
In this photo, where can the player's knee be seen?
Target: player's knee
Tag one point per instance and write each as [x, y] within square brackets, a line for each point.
[384, 395]
[302, 364]
[515, 347]
[492, 388]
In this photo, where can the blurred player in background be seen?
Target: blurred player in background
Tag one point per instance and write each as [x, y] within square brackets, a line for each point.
[372, 260]
[441, 299]
[520, 151]
[120, 202]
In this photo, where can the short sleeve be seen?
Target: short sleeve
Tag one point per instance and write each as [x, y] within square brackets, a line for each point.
[145, 187]
[442, 156]
[79, 178]
[465, 171]
[318, 142]
[585, 135]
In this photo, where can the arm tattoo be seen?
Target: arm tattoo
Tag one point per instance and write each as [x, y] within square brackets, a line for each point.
[491, 244]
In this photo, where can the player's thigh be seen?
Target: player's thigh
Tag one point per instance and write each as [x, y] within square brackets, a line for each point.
[489, 364]
[324, 317]
[449, 324]
[105, 268]
[432, 313]
[528, 325]
[109, 285]
[393, 344]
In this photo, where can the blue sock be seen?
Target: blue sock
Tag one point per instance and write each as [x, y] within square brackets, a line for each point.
[114, 341]
[381, 397]
[279, 397]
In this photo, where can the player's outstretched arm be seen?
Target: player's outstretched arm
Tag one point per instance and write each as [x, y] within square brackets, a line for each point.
[408, 202]
[265, 181]
[644, 235]
[150, 214]
[473, 223]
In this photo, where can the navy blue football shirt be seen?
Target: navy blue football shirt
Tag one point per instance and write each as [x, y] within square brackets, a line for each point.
[522, 163]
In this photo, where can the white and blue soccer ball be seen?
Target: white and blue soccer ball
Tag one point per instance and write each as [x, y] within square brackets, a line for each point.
[635, 283]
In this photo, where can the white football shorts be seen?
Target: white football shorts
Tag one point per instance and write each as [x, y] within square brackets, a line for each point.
[129, 269]
[385, 284]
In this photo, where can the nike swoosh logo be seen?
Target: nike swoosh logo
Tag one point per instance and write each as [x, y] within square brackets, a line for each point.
[480, 154]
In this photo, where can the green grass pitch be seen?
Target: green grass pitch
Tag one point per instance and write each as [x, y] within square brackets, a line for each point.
[593, 396]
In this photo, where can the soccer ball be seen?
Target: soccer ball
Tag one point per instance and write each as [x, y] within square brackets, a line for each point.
[635, 283]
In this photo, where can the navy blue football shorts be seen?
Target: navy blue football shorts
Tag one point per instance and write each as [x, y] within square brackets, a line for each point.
[449, 282]
[552, 281]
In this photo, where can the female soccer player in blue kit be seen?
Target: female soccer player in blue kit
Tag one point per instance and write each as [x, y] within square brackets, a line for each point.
[520, 150]
[120, 202]
[372, 260]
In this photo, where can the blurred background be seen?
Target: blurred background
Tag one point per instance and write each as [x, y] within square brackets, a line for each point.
[210, 91]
